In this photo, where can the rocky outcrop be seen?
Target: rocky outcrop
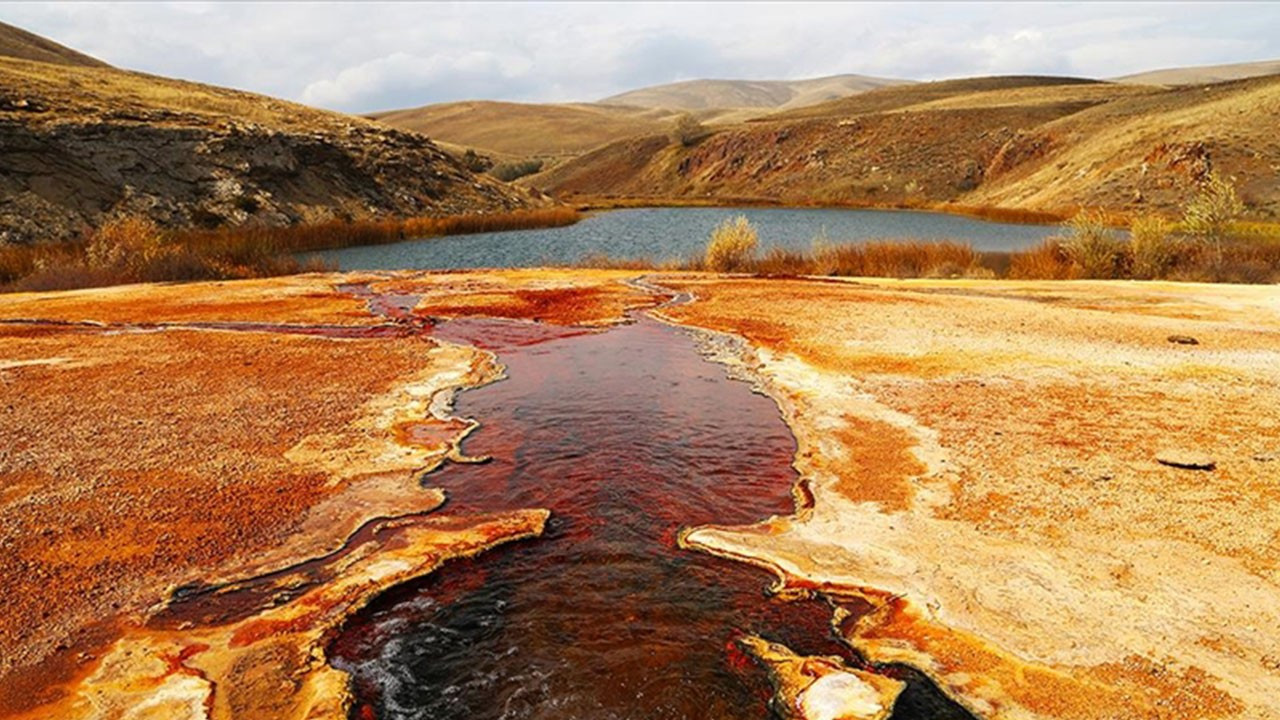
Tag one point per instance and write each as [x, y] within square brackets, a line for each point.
[60, 178]
[81, 145]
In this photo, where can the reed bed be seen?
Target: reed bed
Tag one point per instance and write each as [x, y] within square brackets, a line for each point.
[127, 250]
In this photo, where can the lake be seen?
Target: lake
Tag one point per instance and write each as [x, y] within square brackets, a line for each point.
[665, 233]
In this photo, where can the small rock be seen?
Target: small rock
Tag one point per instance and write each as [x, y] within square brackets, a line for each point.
[1183, 340]
[1267, 457]
[1185, 459]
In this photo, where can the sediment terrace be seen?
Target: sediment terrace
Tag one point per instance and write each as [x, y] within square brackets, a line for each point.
[982, 494]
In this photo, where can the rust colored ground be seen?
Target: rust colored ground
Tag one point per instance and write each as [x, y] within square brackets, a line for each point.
[134, 461]
[980, 455]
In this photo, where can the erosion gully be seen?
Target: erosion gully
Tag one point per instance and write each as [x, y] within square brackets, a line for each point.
[627, 436]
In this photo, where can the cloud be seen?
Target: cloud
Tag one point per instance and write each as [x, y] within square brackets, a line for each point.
[385, 82]
[365, 56]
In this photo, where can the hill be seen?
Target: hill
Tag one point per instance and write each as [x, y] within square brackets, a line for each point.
[512, 131]
[1204, 74]
[18, 43]
[764, 94]
[1039, 144]
[527, 130]
[80, 144]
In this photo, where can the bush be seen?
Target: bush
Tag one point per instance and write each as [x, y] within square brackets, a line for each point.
[688, 130]
[1092, 247]
[515, 170]
[1153, 247]
[1210, 214]
[126, 246]
[732, 246]
[476, 162]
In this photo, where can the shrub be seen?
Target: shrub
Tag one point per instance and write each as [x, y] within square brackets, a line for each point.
[732, 245]
[1153, 247]
[476, 162]
[515, 170]
[1208, 217]
[687, 130]
[1046, 261]
[1092, 247]
[125, 245]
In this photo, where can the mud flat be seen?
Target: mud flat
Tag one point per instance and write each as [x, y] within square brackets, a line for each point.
[983, 497]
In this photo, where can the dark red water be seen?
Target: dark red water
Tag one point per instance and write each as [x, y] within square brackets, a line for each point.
[627, 436]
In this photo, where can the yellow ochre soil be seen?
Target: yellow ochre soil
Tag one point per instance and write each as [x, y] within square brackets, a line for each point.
[981, 462]
[980, 495]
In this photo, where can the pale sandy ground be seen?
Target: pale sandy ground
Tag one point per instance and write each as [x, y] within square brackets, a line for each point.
[982, 463]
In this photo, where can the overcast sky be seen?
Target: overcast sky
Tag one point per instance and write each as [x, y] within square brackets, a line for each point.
[370, 56]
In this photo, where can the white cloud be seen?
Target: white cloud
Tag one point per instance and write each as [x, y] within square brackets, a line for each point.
[380, 82]
[365, 56]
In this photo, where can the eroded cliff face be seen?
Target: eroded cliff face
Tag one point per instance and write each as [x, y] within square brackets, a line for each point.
[79, 145]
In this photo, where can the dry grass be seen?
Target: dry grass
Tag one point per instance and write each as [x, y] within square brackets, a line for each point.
[732, 246]
[135, 250]
[521, 130]
[1236, 261]
[904, 258]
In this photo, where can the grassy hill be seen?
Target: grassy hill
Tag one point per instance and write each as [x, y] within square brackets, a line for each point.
[1204, 74]
[1038, 144]
[510, 130]
[83, 143]
[695, 95]
[18, 43]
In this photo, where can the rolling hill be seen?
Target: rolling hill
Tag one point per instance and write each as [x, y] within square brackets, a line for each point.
[509, 130]
[1204, 74]
[695, 95]
[1040, 144]
[80, 143]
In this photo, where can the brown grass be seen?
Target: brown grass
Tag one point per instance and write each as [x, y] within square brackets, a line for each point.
[134, 250]
[1238, 261]
[902, 258]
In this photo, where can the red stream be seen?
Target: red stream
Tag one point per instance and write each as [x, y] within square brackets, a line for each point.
[626, 436]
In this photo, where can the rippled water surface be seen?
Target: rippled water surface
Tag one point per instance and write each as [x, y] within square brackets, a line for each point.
[664, 233]
[627, 436]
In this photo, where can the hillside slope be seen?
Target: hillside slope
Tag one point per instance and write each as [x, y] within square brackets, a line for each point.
[1204, 74]
[1041, 144]
[555, 131]
[765, 94]
[18, 43]
[82, 144]
[526, 129]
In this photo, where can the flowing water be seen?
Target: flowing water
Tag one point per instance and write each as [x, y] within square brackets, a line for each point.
[666, 233]
[626, 436]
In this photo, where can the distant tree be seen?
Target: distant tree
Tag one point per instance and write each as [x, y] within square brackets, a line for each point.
[687, 130]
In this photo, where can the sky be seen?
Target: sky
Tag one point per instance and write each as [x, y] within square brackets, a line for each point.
[361, 57]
